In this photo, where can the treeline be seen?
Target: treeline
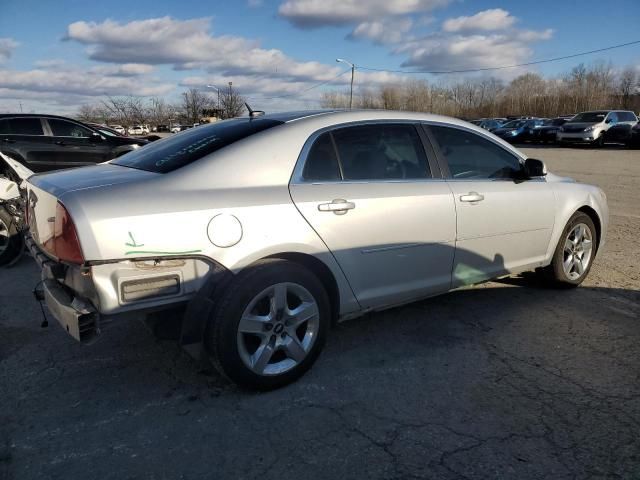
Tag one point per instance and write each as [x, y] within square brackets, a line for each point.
[132, 110]
[597, 86]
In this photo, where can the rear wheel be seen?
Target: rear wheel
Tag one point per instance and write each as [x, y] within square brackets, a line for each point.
[10, 239]
[574, 253]
[269, 326]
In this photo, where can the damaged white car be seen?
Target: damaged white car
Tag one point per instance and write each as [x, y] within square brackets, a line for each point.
[257, 233]
[13, 176]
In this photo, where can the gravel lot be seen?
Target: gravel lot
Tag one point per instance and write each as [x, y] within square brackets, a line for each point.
[504, 380]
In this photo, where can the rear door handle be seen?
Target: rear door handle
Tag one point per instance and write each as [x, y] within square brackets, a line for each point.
[60, 142]
[471, 197]
[338, 206]
[8, 140]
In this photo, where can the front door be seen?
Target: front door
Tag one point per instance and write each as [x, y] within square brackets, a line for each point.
[503, 223]
[369, 193]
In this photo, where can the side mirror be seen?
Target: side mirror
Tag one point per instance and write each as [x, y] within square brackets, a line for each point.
[96, 137]
[609, 120]
[534, 168]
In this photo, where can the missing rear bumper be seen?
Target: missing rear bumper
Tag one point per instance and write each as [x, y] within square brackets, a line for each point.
[78, 318]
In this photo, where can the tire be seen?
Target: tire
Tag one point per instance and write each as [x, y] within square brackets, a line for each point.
[10, 238]
[556, 273]
[254, 320]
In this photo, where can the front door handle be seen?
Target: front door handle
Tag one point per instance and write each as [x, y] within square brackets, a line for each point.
[60, 142]
[338, 206]
[8, 140]
[471, 197]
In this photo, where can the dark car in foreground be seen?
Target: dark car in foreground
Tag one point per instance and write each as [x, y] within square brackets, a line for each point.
[49, 142]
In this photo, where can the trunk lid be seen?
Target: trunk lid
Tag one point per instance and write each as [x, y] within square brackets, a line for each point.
[44, 191]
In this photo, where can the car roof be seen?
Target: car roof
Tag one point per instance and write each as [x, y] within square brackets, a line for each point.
[38, 115]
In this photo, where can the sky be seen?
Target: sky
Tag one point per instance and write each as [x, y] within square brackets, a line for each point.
[281, 54]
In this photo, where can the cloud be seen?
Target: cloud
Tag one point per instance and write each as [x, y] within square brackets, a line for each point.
[318, 13]
[442, 51]
[188, 45]
[382, 32]
[487, 20]
[79, 82]
[7, 46]
[122, 70]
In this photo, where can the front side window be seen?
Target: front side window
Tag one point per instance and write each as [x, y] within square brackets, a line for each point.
[63, 128]
[381, 152]
[4, 127]
[472, 157]
[612, 118]
[25, 126]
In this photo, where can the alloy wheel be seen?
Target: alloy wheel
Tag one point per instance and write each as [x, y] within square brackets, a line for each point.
[578, 249]
[278, 329]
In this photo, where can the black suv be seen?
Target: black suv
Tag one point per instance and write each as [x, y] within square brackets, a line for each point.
[48, 142]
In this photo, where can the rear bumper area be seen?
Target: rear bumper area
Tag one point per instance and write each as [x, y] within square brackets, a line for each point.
[76, 315]
[79, 319]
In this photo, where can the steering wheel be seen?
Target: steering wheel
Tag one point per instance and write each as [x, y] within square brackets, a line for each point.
[396, 166]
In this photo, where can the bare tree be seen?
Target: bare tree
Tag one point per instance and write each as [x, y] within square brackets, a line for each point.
[628, 83]
[194, 102]
[231, 103]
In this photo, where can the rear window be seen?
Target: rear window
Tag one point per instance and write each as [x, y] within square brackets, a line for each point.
[21, 126]
[187, 147]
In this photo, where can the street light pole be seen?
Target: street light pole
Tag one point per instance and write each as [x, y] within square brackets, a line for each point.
[217, 90]
[353, 71]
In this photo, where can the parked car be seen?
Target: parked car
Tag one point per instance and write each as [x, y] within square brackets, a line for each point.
[488, 123]
[136, 130]
[546, 133]
[518, 130]
[162, 128]
[119, 128]
[48, 142]
[176, 128]
[590, 127]
[13, 176]
[634, 139]
[269, 229]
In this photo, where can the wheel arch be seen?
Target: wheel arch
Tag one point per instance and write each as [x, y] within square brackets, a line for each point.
[595, 218]
[320, 270]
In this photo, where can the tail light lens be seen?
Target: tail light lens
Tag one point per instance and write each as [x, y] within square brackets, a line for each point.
[64, 245]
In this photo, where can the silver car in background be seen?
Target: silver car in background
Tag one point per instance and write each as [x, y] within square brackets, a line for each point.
[258, 233]
[590, 127]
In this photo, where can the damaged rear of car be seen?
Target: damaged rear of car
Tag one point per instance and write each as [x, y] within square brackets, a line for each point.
[13, 177]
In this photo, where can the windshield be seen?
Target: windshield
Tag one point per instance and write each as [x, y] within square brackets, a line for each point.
[513, 124]
[180, 150]
[589, 117]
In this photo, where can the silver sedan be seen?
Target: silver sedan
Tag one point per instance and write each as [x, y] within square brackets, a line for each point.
[256, 234]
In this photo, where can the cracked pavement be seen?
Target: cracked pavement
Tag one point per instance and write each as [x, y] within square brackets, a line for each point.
[506, 380]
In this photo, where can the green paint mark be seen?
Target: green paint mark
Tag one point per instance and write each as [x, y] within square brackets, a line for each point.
[133, 242]
[153, 252]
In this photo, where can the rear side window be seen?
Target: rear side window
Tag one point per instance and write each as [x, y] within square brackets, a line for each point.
[322, 162]
[24, 126]
[184, 148]
[472, 157]
[380, 152]
[63, 128]
[622, 117]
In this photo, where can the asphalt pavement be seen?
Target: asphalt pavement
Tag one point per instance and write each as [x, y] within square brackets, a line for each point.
[506, 380]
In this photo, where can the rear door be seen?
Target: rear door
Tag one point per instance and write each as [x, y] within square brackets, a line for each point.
[379, 205]
[75, 145]
[503, 223]
[23, 139]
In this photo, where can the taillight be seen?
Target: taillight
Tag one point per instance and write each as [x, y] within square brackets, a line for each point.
[64, 245]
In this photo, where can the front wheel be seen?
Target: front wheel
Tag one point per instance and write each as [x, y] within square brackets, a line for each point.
[269, 325]
[574, 253]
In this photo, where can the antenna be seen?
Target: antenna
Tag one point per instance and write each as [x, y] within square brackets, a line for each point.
[253, 113]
